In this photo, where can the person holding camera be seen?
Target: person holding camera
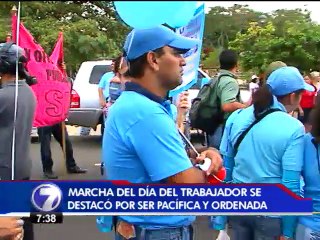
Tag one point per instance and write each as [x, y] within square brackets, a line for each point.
[17, 110]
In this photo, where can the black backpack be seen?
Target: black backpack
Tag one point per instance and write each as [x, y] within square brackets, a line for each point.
[205, 112]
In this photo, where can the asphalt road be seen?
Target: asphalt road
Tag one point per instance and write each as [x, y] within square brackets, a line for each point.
[87, 153]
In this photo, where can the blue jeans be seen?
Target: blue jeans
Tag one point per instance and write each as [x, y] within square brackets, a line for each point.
[305, 233]
[255, 228]
[180, 233]
[214, 140]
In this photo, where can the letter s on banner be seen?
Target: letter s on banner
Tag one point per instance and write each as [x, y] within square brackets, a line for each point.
[38, 68]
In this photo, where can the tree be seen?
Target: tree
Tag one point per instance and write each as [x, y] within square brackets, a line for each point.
[91, 28]
[281, 16]
[212, 61]
[297, 43]
[222, 24]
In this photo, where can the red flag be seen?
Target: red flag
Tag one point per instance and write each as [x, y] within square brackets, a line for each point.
[57, 55]
[53, 89]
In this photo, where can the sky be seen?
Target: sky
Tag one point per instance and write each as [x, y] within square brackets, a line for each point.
[267, 6]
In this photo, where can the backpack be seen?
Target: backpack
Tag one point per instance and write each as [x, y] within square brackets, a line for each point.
[205, 112]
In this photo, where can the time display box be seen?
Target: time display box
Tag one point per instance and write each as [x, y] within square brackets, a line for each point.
[46, 217]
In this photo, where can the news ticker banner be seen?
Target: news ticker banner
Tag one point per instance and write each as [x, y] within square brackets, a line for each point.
[122, 198]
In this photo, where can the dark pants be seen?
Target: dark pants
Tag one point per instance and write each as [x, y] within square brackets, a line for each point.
[182, 233]
[214, 140]
[45, 139]
[255, 228]
[27, 227]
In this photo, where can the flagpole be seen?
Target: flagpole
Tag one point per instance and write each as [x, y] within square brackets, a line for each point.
[63, 124]
[14, 29]
[13, 148]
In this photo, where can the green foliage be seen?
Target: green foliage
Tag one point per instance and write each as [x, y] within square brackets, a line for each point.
[295, 41]
[222, 24]
[91, 30]
[260, 38]
[212, 61]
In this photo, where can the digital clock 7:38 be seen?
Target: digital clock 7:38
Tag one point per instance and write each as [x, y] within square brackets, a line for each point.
[46, 217]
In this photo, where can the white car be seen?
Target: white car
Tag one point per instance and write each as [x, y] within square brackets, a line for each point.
[85, 109]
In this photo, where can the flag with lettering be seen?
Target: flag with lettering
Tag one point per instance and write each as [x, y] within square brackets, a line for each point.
[53, 88]
[194, 29]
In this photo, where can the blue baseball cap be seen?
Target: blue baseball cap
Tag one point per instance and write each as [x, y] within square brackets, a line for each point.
[286, 80]
[141, 41]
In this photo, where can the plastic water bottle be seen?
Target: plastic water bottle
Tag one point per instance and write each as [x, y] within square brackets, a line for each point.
[219, 177]
[104, 223]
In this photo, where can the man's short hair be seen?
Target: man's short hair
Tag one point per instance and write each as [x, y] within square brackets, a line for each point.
[228, 59]
[136, 67]
[116, 63]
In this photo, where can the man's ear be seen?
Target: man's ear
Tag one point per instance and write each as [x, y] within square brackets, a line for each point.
[152, 61]
[293, 98]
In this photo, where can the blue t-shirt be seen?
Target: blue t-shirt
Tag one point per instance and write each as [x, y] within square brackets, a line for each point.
[141, 144]
[174, 112]
[273, 145]
[115, 90]
[311, 175]
[104, 83]
[271, 152]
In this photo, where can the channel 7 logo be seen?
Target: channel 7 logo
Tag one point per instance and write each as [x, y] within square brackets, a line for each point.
[46, 197]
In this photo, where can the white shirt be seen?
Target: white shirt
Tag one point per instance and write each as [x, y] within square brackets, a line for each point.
[253, 87]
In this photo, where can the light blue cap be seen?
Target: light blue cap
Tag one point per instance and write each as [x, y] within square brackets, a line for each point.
[287, 80]
[141, 41]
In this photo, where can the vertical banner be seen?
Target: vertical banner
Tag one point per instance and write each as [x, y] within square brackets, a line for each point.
[195, 30]
[52, 89]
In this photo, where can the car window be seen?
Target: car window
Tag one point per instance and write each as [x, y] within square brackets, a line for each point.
[197, 85]
[97, 72]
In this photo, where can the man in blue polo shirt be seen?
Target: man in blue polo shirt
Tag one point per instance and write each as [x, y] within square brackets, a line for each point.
[141, 143]
[103, 86]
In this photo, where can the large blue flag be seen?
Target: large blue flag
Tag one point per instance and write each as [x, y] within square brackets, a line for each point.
[194, 29]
